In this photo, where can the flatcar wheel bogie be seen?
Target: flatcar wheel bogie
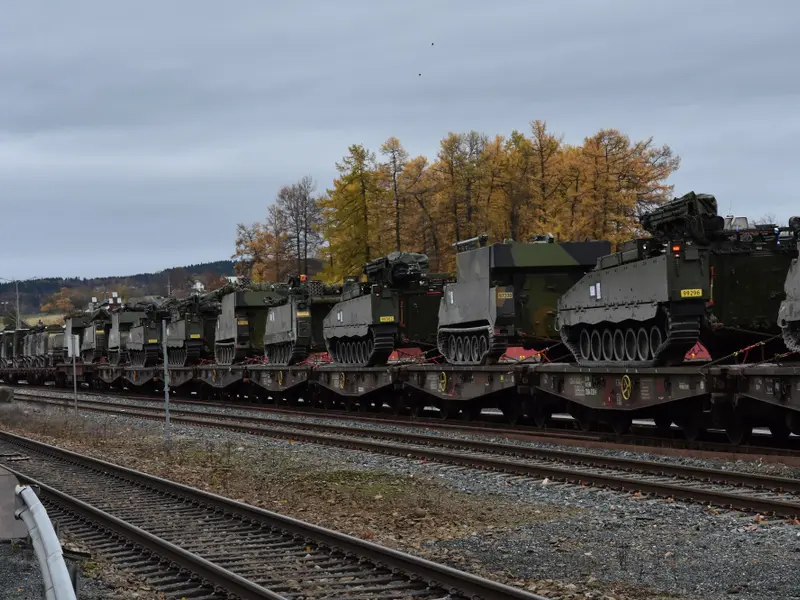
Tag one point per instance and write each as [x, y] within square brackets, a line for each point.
[793, 421]
[470, 413]
[738, 431]
[691, 425]
[621, 423]
[512, 412]
[663, 423]
[779, 430]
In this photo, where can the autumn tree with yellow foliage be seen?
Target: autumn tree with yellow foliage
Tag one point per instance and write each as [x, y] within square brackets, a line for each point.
[508, 187]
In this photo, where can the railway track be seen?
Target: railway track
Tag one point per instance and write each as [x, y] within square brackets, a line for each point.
[666, 442]
[728, 489]
[192, 544]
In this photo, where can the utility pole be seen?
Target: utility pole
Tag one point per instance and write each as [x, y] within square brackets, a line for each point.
[16, 284]
[167, 433]
[73, 342]
[169, 287]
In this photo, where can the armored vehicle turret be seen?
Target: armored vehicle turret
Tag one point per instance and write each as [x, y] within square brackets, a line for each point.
[145, 336]
[507, 294]
[644, 305]
[241, 322]
[192, 328]
[396, 307]
[294, 329]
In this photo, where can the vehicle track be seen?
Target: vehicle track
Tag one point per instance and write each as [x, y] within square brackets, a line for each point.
[194, 544]
[730, 489]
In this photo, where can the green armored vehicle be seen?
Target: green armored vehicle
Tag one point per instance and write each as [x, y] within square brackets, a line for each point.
[94, 343]
[191, 329]
[789, 310]
[144, 338]
[242, 321]
[396, 307]
[29, 346]
[123, 318]
[46, 346]
[750, 279]
[507, 294]
[6, 347]
[645, 304]
[294, 329]
[75, 324]
[19, 360]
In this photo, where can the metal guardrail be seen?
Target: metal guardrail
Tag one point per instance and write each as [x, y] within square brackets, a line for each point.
[57, 582]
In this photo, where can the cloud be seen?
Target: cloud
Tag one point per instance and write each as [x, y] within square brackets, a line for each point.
[134, 135]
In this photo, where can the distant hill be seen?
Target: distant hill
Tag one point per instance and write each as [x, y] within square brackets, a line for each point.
[57, 294]
[35, 292]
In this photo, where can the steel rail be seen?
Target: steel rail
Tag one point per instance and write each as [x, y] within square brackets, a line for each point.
[640, 443]
[436, 575]
[216, 575]
[293, 429]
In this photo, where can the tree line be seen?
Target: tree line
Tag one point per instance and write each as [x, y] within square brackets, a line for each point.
[58, 295]
[507, 187]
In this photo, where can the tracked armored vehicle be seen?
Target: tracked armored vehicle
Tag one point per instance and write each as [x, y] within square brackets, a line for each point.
[46, 346]
[29, 347]
[789, 310]
[6, 347]
[75, 324]
[294, 329]
[18, 359]
[122, 321]
[145, 336]
[645, 304]
[750, 279]
[396, 307]
[507, 294]
[94, 344]
[191, 330]
[242, 321]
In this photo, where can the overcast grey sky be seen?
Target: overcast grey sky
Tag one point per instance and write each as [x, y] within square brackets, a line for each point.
[135, 135]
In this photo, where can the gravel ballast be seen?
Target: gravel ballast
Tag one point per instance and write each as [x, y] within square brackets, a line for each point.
[21, 578]
[583, 542]
[748, 466]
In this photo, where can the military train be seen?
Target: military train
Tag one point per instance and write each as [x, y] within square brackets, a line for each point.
[692, 277]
